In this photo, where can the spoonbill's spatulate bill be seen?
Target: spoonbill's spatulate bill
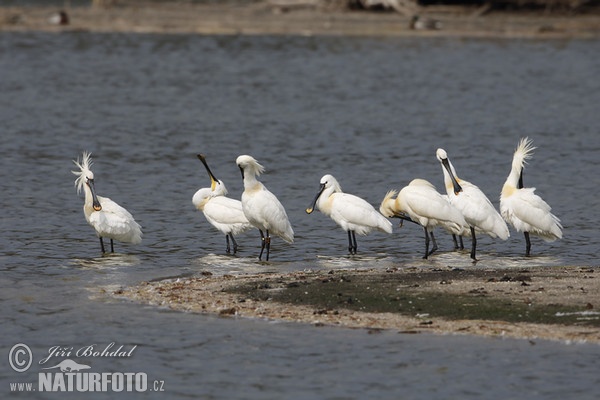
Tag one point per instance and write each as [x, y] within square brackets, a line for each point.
[109, 219]
[261, 207]
[476, 208]
[222, 212]
[350, 212]
[425, 206]
[521, 207]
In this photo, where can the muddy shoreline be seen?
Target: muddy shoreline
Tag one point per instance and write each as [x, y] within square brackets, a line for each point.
[554, 303]
[264, 18]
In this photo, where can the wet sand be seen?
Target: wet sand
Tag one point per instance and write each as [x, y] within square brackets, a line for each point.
[265, 18]
[555, 303]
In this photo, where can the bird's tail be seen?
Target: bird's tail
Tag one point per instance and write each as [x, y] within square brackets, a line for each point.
[288, 235]
[385, 225]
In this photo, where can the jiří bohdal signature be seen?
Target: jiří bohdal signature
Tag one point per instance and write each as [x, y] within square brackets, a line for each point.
[92, 350]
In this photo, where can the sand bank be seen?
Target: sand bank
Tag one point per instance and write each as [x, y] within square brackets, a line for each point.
[533, 303]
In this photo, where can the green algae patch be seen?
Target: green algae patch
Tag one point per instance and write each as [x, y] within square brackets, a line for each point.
[452, 294]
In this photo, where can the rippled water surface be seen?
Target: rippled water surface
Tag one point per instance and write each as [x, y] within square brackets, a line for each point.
[369, 111]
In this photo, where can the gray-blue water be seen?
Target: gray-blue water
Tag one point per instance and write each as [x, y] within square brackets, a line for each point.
[369, 111]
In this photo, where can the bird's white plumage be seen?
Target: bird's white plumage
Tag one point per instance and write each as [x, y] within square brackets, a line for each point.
[350, 212]
[85, 173]
[222, 212]
[474, 205]
[114, 222]
[261, 207]
[108, 219]
[521, 207]
[423, 204]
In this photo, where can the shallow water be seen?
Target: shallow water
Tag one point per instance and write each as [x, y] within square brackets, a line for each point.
[369, 111]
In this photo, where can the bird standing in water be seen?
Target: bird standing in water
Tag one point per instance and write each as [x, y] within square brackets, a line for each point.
[222, 212]
[422, 203]
[261, 207]
[521, 207]
[108, 219]
[350, 212]
[474, 205]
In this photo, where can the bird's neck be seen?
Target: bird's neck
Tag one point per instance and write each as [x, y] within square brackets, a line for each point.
[88, 196]
[448, 182]
[251, 183]
[325, 201]
[88, 203]
[514, 177]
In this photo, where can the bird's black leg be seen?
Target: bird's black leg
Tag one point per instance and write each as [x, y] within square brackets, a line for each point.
[426, 243]
[456, 245]
[268, 244]
[473, 244]
[262, 244]
[102, 245]
[227, 249]
[527, 244]
[352, 247]
[435, 246]
[112, 247]
[455, 242]
[235, 245]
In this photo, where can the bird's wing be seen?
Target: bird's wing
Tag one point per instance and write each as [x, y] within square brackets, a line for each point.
[113, 221]
[355, 213]
[427, 203]
[479, 211]
[268, 210]
[111, 207]
[533, 213]
[428, 207]
[224, 210]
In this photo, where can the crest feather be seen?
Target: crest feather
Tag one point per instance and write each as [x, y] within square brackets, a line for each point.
[84, 170]
[389, 195]
[387, 207]
[250, 163]
[523, 152]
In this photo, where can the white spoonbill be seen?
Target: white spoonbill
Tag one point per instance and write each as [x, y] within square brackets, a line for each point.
[109, 219]
[222, 212]
[352, 213]
[261, 207]
[422, 203]
[476, 208]
[524, 209]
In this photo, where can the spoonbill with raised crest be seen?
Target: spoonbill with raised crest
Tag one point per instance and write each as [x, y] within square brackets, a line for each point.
[109, 219]
[521, 207]
[474, 205]
[222, 212]
[352, 213]
[261, 207]
[422, 203]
